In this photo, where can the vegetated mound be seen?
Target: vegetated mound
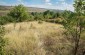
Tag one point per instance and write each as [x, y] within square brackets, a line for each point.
[30, 38]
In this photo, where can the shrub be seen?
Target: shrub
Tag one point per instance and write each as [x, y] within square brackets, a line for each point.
[19, 13]
[2, 40]
[30, 18]
[6, 19]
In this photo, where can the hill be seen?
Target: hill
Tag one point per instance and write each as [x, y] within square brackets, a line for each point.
[30, 9]
[5, 9]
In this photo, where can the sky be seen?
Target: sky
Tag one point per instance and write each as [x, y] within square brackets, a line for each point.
[49, 4]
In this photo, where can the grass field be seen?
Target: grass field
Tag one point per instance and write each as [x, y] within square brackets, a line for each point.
[33, 38]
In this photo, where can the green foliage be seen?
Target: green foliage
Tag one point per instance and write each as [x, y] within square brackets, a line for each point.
[2, 40]
[70, 23]
[31, 18]
[75, 24]
[19, 13]
[37, 16]
[80, 11]
[65, 14]
[6, 19]
[79, 6]
[47, 14]
[56, 15]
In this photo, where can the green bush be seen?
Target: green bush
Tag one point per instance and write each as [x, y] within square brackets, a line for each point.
[2, 40]
[30, 18]
[19, 13]
[6, 19]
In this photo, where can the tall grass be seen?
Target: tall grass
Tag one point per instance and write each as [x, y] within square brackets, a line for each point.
[32, 38]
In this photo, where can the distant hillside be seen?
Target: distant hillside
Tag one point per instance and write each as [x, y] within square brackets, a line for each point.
[6, 9]
[30, 9]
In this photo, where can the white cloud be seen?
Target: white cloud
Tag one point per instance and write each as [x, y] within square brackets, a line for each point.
[47, 1]
[61, 0]
[48, 4]
[59, 7]
[66, 6]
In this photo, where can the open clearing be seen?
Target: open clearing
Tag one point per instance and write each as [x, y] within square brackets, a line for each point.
[27, 37]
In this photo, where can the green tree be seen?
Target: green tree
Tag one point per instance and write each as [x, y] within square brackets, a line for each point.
[75, 23]
[47, 14]
[65, 14]
[79, 7]
[19, 13]
[38, 16]
[56, 15]
[80, 10]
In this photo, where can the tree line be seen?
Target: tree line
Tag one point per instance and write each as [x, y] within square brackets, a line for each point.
[19, 14]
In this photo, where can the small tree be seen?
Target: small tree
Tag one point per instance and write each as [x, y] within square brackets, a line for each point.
[19, 13]
[75, 23]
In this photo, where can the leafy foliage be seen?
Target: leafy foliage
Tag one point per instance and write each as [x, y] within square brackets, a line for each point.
[2, 40]
[75, 23]
[79, 6]
[6, 19]
[19, 13]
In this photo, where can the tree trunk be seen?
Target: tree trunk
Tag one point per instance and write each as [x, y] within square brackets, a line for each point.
[77, 39]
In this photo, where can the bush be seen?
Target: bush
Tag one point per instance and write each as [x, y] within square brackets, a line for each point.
[19, 13]
[2, 40]
[6, 19]
[30, 18]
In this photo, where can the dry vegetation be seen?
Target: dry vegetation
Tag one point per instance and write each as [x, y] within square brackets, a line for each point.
[32, 38]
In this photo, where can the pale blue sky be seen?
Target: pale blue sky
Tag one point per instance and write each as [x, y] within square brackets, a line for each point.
[50, 4]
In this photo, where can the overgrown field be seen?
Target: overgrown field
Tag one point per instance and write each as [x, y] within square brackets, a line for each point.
[41, 31]
[33, 38]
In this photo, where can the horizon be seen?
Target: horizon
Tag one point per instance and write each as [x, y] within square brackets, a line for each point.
[47, 4]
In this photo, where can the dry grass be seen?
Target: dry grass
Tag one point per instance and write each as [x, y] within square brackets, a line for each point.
[32, 38]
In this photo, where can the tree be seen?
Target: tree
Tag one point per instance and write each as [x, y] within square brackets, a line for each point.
[19, 13]
[47, 14]
[56, 15]
[65, 14]
[75, 23]
[79, 9]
